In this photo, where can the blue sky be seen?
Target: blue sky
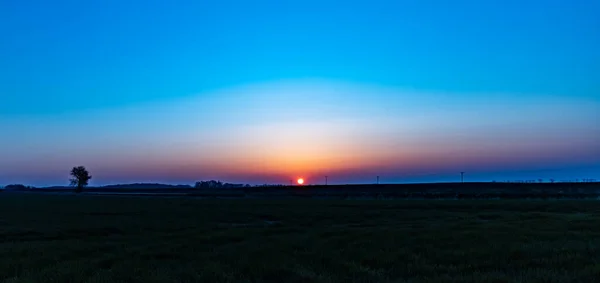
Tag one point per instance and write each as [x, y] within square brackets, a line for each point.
[177, 85]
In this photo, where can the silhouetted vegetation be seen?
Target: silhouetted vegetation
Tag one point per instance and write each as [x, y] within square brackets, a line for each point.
[80, 179]
[17, 187]
[212, 184]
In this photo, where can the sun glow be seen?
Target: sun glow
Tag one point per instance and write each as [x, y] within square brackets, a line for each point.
[300, 181]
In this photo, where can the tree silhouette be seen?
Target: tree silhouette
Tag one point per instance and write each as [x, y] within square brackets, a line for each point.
[80, 179]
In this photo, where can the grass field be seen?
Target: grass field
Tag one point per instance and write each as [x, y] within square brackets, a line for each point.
[45, 238]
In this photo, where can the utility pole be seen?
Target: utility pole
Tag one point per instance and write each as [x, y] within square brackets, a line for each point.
[326, 180]
[462, 177]
[377, 180]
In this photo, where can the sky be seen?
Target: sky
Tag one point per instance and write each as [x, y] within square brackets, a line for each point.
[269, 91]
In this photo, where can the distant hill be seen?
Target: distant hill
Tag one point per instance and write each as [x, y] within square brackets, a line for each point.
[135, 186]
[146, 186]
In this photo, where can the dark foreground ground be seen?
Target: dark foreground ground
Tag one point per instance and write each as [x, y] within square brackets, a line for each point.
[54, 238]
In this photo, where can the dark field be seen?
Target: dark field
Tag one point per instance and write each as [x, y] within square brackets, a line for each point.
[370, 191]
[52, 238]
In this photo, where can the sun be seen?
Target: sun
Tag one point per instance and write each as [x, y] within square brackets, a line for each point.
[300, 181]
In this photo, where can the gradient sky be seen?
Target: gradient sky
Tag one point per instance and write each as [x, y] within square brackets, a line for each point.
[267, 91]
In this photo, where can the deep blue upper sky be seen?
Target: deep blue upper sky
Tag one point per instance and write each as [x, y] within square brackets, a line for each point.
[63, 60]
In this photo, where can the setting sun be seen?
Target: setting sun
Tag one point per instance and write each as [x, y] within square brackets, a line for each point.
[300, 181]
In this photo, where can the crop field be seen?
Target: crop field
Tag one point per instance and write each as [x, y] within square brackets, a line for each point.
[479, 191]
[83, 238]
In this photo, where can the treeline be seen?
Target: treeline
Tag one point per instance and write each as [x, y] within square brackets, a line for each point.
[212, 184]
[17, 187]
